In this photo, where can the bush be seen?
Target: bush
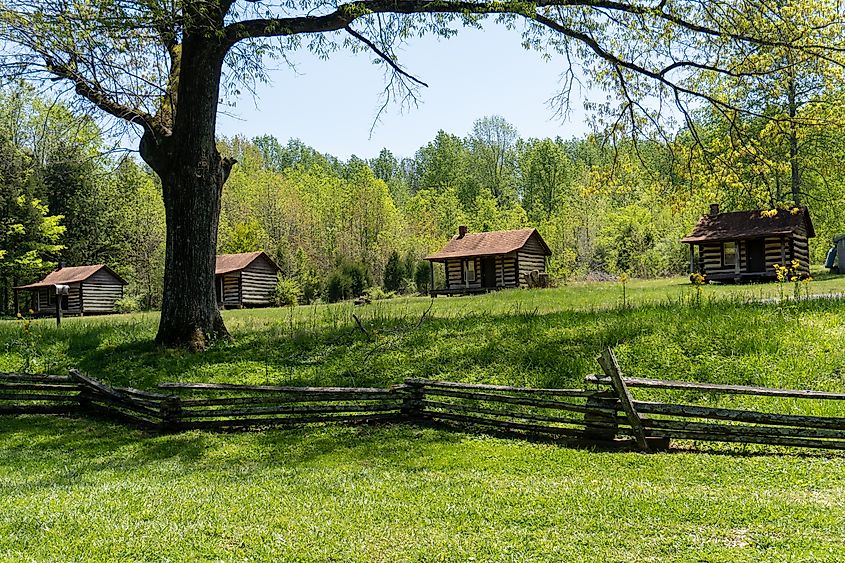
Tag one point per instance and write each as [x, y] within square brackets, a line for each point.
[377, 294]
[393, 273]
[127, 304]
[422, 276]
[349, 279]
[287, 292]
[306, 276]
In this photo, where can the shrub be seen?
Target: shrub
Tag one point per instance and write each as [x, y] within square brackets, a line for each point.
[349, 279]
[393, 273]
[287, 292]
[306, 276]
[376, 293]
[127, 304]
[422, 275]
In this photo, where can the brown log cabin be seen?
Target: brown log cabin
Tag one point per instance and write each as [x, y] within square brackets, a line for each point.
[746, 245]
[245, 280]
[480, 262]
[91, 290]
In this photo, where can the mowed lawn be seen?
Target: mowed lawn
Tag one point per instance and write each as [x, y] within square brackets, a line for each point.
[84, 490]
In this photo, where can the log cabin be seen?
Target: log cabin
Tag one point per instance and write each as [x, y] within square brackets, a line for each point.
[245, 280]
[480, 262]
[746, 245]
[91, 290]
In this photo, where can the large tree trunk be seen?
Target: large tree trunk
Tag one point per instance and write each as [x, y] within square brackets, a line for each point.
[192, 175]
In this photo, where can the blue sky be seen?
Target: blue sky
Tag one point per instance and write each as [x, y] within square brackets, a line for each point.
[331, 104]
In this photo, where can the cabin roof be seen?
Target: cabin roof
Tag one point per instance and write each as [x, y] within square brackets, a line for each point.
[227, 263]
[487, 244]
[71, 274]
[740, 225]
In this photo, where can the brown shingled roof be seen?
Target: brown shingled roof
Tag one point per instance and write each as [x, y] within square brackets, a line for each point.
[233, 262]
[69, 275]
[487, 244]
[748, 224]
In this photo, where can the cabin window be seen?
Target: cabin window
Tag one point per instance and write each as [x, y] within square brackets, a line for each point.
[469, 270]
[728, 254]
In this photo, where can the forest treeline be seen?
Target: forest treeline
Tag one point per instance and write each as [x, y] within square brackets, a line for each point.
[604, 203]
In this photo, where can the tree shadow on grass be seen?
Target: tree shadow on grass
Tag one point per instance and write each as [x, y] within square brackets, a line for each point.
[61, 451]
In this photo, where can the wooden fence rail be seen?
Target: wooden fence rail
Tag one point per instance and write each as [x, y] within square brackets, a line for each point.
[677, 420]
[610, 413]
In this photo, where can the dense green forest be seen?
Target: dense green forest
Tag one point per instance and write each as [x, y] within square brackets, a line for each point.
[606, 203]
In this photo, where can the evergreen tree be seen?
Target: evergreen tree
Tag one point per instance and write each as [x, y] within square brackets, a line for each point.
[393, 273]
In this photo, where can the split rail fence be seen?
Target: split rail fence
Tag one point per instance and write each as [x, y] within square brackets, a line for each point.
[607, 413]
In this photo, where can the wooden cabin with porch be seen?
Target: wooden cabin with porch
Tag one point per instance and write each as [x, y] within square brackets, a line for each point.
[746, 245]
[91, 290]
[245, 280]
[480, 262]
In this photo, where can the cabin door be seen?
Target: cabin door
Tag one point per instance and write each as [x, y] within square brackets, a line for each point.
[755, 255]
[488, 272]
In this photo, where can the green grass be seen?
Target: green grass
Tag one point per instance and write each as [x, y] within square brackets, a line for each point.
[82, 490]
[74, 490]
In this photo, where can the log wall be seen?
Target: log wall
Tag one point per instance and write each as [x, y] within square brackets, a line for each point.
[100, 292]
[231, 289]
[258, 283]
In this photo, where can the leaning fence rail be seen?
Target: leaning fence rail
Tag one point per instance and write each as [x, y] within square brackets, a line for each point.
[677, 420]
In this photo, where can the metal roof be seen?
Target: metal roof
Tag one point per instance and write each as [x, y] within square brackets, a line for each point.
[740, 225]
[69, 275]
[487, 244]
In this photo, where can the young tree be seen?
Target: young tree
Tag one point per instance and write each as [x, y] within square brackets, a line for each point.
[393, 272]
[159, 65]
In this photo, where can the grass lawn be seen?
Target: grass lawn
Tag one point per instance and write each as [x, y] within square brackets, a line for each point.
[80, 490]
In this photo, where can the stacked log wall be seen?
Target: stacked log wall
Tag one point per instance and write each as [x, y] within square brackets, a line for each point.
[258, 282]
[530, 257]
[100, 292]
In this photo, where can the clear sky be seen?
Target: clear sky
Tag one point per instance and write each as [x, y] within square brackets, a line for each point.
[331, 104]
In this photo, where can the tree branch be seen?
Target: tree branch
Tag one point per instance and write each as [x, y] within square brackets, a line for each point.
[384, 56]
[99, 98]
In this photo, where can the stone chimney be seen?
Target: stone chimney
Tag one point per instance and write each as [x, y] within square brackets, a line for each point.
[61, 265]
[462, 231]
[714, 209]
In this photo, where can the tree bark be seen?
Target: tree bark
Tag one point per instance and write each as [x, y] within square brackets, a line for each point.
[192, 173]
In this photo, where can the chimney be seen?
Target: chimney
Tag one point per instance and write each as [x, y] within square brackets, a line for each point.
[61, 265]
[462, 231]
[714, 209]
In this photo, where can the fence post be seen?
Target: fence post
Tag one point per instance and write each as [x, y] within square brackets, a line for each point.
[412, 402]
[84, 398]
[171, 414]
[599, 425]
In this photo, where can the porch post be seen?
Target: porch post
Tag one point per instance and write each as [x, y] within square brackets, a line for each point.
[431, 275]
[737, 257]
[692, 264]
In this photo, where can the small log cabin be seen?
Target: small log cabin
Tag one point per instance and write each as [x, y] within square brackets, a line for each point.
[746, 245]
[91, 290]
[479, 262]
[245, 280]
